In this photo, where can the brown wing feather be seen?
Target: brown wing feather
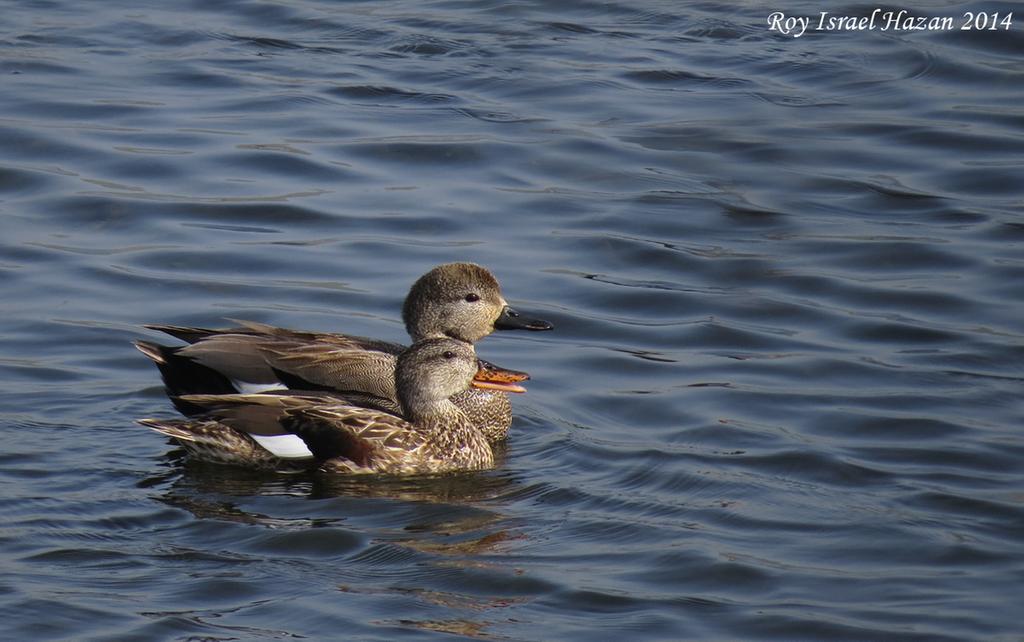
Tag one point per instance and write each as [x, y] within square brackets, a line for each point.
[368, 440]
[236, 356]
[334, 361]
[331, 338]
[345, 370]
[214, 441]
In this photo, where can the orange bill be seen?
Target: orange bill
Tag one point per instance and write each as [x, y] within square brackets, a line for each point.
[491, 377]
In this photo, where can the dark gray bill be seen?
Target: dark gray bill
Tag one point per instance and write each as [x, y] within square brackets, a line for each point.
[512, 320]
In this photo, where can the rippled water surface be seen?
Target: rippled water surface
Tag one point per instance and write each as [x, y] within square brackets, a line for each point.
[783, 400]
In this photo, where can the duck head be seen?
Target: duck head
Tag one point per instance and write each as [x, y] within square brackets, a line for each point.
[432, 370]
[462, 301]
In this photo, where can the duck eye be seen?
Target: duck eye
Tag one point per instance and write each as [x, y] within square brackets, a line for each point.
[448, 354]
[472, 297]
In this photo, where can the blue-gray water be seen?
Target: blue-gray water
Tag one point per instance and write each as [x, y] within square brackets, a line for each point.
[783, 400]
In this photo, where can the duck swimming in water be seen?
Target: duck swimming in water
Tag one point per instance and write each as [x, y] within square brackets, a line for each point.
[434, 436]
[462, 301]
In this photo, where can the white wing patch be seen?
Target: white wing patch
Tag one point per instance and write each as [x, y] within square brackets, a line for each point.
[248, 388]
[284, 446]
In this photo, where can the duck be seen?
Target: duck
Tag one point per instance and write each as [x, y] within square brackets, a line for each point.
[433, 435]
[461, 301]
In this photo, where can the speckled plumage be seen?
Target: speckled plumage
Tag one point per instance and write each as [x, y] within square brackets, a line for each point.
[437, 437]
[213, 441]
[358, 368]
[490, 410]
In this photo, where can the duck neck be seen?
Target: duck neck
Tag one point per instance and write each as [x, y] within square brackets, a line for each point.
[423, 323]
[424, 412]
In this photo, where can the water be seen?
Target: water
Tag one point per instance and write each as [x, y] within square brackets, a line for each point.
[783, 399]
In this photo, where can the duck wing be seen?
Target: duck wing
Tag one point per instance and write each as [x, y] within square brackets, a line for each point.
[341, 436]
[234, 360]
[352, 439]
[255, 329]
[339, 340]
[366, 376]
[210, 440]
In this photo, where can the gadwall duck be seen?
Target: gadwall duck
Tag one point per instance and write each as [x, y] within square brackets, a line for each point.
[434, 436]
[458, 300]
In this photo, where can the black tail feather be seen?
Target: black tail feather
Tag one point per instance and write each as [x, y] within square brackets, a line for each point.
[183, 376]
[188, 335]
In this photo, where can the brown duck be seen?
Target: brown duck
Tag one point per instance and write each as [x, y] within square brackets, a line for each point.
[457, 300]
[434, 436]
